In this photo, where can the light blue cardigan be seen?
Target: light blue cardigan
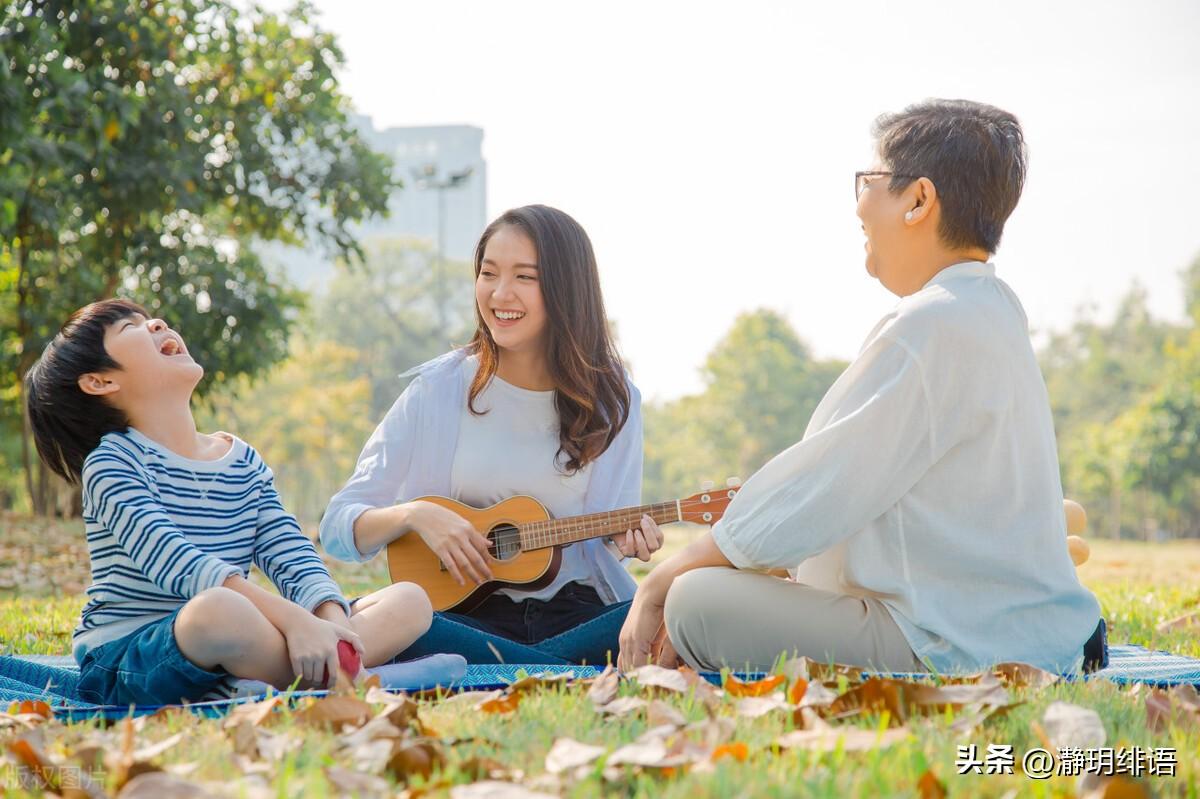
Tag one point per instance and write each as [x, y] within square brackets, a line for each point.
[412, 450]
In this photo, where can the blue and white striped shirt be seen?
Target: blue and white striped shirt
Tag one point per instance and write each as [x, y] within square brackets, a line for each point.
[161, 528]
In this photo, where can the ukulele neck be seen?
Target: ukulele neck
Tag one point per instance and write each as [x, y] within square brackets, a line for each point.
[557, 532]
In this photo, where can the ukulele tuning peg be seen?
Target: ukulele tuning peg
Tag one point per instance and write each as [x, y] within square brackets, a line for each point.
[707, 485]
[733, 482]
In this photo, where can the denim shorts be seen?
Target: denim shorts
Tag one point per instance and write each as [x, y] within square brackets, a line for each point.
[145, 668]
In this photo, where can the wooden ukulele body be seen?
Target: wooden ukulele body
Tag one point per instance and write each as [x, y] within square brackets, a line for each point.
[410, 560]
[526, 542]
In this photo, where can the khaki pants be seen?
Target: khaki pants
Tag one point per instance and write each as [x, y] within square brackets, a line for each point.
[741, 619]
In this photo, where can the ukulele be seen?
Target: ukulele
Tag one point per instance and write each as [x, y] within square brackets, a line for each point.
[526, 543]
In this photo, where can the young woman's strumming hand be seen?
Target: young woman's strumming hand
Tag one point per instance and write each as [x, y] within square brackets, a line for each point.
[452, 539]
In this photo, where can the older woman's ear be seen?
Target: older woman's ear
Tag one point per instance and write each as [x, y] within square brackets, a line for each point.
[924, 196]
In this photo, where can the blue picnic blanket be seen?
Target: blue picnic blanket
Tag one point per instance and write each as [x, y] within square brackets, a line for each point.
[52, 679]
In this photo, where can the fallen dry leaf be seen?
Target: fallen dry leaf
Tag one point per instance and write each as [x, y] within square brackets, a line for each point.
[876, 695]
[540, 681]
[659, 713]
[30, 707]
[816, 671]
[492, 789]
[939, 698]
[737, 750]
[1120, 786]
[154, 750]
[797, 690]
[1070, 725]
[245, 740]
[32, 758]
[470, 697]
[651, 676]
[160, 785]
[568, 754]
[256, 713]
[851, 739]
[504, 703]
[753, 707]
[817, 695]
[418, 756]
[398, 709]
[735, 687]
[701, 688]
[1188, 621]
[623, 706]
[904, 698]
[646, 751]
[975, 717]
[604, 688]
[1022, 675]
[124, 764]
[486, 768]
[355, 783]
[930, 787]
[1180, 705]
[335, 711]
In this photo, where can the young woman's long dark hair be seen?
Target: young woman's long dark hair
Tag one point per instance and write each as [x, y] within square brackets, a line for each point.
[591, 394]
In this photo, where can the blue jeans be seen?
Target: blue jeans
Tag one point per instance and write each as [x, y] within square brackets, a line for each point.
[144, 668]
[574, 627]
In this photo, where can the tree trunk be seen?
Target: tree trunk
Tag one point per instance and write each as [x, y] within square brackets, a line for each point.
[24, 359]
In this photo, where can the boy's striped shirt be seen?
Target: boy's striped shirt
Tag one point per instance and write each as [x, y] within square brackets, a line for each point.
[161, 528]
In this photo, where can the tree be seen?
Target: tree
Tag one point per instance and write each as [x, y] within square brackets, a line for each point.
[1165, 457]
[386, 308]
[761, 387]
[145, 145]
[309, 431]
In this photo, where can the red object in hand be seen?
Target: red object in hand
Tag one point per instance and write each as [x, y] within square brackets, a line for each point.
[347, 658]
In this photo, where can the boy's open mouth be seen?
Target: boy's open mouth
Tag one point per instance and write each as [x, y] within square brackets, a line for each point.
[171, 346]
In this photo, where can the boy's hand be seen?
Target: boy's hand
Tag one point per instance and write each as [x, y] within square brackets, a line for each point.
[312, 648]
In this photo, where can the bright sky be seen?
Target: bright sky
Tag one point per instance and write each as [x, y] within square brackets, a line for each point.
[709, 149]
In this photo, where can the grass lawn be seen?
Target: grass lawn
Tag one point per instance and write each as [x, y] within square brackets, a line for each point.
[43, 569]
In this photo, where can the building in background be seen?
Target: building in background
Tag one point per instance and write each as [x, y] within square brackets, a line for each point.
[445, 186]
[428, 157]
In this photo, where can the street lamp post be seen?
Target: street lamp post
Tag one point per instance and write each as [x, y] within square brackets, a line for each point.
[426, 178]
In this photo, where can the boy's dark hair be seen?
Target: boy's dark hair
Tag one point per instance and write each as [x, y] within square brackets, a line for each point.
[974, 154]
[67, 422]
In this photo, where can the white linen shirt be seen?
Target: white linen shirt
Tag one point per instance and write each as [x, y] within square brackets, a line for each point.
[411, 454]
[928, 478]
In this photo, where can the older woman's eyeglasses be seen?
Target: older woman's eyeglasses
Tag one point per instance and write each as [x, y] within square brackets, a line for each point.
[861, 179]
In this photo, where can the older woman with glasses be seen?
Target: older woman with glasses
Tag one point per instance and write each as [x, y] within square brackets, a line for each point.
[921, 514]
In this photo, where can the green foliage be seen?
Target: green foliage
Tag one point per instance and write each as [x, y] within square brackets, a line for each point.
[1099, 377]
[307, 417]
[145, 146]
[387, 308]
[311, 414]
[761, 387]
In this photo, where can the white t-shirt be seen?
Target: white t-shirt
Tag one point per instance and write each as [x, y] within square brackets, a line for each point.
[511, 449]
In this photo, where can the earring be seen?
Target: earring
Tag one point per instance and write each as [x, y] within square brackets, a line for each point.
[908, 216]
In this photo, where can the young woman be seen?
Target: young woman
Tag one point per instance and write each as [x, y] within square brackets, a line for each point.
[174, 520]
[536, 404]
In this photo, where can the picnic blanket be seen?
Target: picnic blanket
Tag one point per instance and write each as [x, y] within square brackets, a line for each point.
[52, 679]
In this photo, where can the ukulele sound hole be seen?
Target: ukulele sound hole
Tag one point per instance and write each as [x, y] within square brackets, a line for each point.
[504, 541]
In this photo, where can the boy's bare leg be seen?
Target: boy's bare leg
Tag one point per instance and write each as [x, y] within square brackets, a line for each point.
[220, 627]
[390, 620]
